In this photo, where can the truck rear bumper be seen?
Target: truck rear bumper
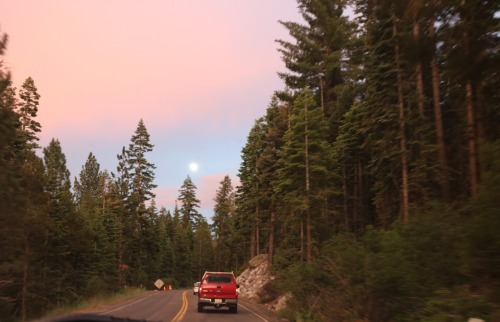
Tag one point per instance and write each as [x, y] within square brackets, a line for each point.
[217, 302]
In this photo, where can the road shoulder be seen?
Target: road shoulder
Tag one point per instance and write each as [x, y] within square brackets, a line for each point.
[261, 311]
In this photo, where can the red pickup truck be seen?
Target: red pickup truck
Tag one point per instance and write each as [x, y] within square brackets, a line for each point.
[218, 289]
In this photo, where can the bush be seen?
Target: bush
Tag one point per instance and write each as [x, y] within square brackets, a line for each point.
[269, 292]
[455, 305]
[386, 275]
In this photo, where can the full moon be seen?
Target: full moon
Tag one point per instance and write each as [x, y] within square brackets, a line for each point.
[193, 166]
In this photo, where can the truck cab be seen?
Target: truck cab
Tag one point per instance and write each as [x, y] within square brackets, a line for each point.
[218, 289]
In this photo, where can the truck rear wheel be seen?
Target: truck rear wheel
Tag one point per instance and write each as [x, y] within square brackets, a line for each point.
[233, 309]
[200, 308]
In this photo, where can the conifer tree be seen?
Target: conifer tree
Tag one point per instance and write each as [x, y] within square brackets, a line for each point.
[134, 183]
[183, 255]
[11, 228]
[249, 193]
[97, 258]
[166, 248]
[303, 170]
[63, 240]
[203, 255]
[28, 110]
[317, 58]
[140, 170]
[223, 225]
[189, 204]
[87, 187]
[23, 218]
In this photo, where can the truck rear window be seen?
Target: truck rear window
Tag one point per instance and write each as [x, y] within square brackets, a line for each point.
[219, 279]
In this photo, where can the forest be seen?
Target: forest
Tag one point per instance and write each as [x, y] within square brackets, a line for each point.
[372, 180]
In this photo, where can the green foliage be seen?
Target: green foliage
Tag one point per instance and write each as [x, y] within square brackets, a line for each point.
[223, 226]
[28, 110]
[432, 269]
[455, 305]
[270, 291]
[140, 170]
[189, 203]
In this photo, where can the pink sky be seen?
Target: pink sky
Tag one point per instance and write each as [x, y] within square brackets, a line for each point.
[198, 72]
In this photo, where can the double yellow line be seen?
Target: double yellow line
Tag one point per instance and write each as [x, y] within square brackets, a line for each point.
[182, 311]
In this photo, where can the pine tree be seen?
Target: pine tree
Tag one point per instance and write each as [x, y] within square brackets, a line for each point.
[183, 255]
[317, 58]
[276, 120]
[136, 186]
[97, 264]
[303, 170]
[187, 197]
[87, 188]
[203, 258]
[249, 193]
[28, 110]
[166, 248]
[63, 239]
[223, 225]
[141, 171]
[23, 220]
[470, 48]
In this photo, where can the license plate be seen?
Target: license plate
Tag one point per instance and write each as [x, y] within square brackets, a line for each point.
[218, 301]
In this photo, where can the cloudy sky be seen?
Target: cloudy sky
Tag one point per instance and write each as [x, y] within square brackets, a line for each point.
[198, 72]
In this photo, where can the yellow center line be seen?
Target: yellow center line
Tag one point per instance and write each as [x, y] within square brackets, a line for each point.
[180, 315]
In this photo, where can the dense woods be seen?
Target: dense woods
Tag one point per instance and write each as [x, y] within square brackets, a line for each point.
[371, 181]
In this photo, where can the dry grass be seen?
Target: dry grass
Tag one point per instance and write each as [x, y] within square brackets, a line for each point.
[93, 302]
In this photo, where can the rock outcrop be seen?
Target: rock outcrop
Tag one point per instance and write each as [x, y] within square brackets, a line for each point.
[255, 284]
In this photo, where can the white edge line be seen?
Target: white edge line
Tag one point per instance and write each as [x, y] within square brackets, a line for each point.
[254, 313]
[121, 307]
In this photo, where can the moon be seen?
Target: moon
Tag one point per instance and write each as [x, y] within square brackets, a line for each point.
[193, 166]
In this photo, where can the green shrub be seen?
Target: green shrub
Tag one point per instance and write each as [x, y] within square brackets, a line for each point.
[455, 305]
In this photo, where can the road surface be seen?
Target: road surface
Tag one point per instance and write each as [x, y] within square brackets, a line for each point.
[172, 306]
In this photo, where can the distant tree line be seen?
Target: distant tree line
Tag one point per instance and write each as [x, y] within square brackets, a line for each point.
[370, 180]
[63, 242]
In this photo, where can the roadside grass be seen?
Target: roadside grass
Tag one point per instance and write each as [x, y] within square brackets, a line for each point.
[93, 302]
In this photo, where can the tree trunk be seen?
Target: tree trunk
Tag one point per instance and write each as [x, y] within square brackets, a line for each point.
[402, 133]
[419, 73]
[308, 214]
[471, 140]
[438, 119]
[344, 186]
[252, 243]
[24, 291]
[358, 206]
[271, 237]
[471, 122]
[301, 239]
[257, 239]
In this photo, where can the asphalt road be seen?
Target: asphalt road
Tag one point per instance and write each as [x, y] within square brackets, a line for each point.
[171, 306]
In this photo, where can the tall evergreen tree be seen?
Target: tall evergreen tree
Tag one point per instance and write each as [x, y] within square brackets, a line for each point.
[62, 249]
[166, 248]
[303, 174]
[223, 225]
[87, 187]
[203, 255]
[97, 248]
[317, 58]
[249, 193]
[189, 204]
[135, 183]
[141, 171]
[28, 110]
